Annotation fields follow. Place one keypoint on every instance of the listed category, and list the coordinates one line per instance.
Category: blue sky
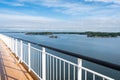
(76, 15)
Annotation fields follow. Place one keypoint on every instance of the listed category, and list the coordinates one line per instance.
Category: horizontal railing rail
(51, 67)
(78, 55)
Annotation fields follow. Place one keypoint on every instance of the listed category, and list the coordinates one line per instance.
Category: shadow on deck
(10, 69)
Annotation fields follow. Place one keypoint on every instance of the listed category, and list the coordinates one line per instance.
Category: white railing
(48, 66)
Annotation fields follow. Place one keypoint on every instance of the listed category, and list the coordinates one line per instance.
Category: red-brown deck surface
(10, 69)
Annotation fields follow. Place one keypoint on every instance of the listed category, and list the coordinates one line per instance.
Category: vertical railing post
(21, 50)
(79, 69)
(11, 44)
(8, 42)
(16, 47)
(43, 64)
(29, 56)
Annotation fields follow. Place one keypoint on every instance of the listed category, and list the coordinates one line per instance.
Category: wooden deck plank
(10, 69)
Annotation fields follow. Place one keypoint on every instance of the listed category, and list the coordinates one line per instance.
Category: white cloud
(12, 3)
(20, 22)
(24, 21)
(57, 5)
(7, 11)
(107, 1)
(95, 13)
(26, 18)
(77, 8)
(70, 8)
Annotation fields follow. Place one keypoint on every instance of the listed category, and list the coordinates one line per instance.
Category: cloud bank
(86, 15)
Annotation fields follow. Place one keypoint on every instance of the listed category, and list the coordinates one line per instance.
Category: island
(88, 33)
(53, 36)
(102, 34)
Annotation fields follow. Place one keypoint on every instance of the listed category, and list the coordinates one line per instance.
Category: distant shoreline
(89, 34)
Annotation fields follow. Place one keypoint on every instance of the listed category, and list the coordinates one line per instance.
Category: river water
(107, 49)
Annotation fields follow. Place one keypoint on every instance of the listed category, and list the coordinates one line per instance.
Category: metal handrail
(77, 55)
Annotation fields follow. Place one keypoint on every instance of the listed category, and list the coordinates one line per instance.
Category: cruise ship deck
(10, 68)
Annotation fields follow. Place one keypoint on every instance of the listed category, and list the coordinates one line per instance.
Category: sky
(60, 15)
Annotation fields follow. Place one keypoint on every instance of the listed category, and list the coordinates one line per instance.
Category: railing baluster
(64, 69)
(16, 51)
(73, 72)
(37, 63)
(103, 78)
(60, 69)
(29, 56)
(48, 72)
(50, 67)
(79, 69)
(21, 50)
(56, 69)
(11, 44)
(68, 71)
(43, 64)
(85, 75)
(93, 76)
(53, 68)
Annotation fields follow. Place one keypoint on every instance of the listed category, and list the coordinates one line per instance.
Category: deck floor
(10, 69)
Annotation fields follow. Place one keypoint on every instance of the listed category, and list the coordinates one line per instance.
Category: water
(106, 49)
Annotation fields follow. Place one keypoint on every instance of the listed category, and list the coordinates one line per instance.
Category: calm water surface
(107, 49)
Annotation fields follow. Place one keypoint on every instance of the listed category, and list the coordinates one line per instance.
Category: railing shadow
(3, 73)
